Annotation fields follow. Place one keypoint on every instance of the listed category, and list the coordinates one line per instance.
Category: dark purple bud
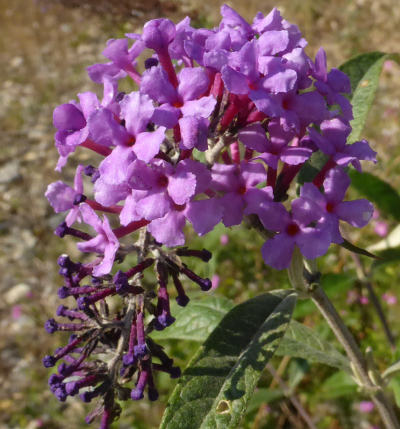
(63, 272)
(129, 359)
(55, 381)
(140, 351)
(121, 282)
(205, 284)
(63, 292)
(182, 299)
(204, 254)
(84, 301)
(89, 395)
(51, 326)
(163, 321)
(71, 314)
(72, 388)
(175, 372)
(60, 310)
(139, 267)
(152, 394)
(60, 394)
(106, 419)
(150, 62)
(49, 361)
(63, 230)
(137, 394)
(63, 261)
(79, 198)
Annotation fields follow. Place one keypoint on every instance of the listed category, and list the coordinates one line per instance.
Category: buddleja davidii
(249, 98)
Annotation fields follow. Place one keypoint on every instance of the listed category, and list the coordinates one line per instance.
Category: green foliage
(217, 385)
(364, 71)
(196, 321)
(337, 385)
(303, 342)
(381, 193)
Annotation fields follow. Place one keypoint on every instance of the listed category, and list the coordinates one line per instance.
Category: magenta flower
(357, 212)
(332, 142)
(104, 243)
(237, 183)
(293, 229)
(62, 197)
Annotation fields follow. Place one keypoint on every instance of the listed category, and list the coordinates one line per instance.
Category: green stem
(310, 280)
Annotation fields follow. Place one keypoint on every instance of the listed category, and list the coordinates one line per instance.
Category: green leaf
(219, 381)
(387, 256)
(338, 385)
(263, 396)
(381, 193)
(394, 384)
(195, 321)
(312, 167)
(392, 369)
(334, 285)
(303, 342)
(355, 249)
(364, 71)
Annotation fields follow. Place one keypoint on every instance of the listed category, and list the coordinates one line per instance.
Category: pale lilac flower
(104, 243)
(357, 212)
(292, 229)
(366, 406)
(389, 298)
(62, 197)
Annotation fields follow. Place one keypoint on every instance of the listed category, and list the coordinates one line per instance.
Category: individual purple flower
(62, 197)
(105, 242)
(332, 85)
(275, 148)
(295, 110)
(203, 214)
(123, 57)
(357, 212)
(164, 186)
(187, 100)
(239, 29)
(136, 110)
(249, 73)
(236, 182)
(332, 142)
(292, 230)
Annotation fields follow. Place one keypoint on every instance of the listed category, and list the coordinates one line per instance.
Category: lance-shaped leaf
(364, 71)
(391, 370)
(216, 386)
(381, 193)
(196, 321)
(303, 342)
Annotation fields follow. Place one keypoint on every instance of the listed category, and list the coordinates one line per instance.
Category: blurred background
(45, 47)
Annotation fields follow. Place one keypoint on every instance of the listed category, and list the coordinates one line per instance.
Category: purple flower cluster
(219, 126)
